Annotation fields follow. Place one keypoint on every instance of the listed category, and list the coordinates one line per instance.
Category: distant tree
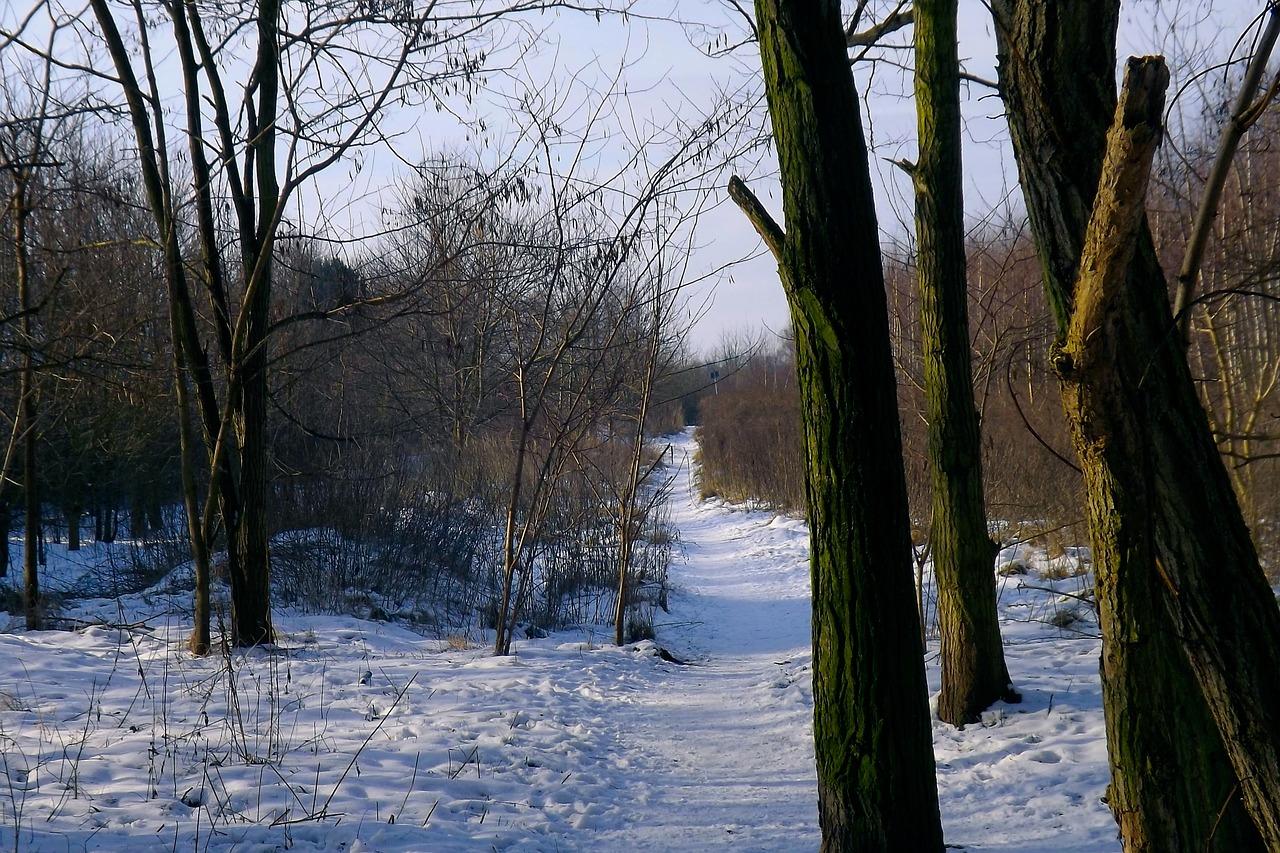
(34, 121)
(872, 735)
(256, 134)
(24, 152)
(974, 674)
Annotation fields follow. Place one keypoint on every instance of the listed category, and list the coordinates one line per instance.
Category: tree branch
(1243, 114)
(898, 20)
(769, 230)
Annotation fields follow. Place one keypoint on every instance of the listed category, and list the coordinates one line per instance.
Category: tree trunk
(200, 640)
(73, 514)
(1172, 788)
(510, 550)
(630, 514)
(6, 527)
(27, 413)
(31, 544)
(251, 587)
(974, 674)
(872, 733)
(235, 433)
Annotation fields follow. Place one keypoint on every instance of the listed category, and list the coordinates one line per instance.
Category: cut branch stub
(768, 229)
(1119, 207)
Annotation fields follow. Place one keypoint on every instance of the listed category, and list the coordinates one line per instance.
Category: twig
(400, 695)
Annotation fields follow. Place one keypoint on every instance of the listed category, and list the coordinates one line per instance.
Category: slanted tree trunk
(872, 734)
(1172, 787)
(974, 674)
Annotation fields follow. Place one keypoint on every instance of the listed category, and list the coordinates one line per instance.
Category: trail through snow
(362, 736)
(728, 736)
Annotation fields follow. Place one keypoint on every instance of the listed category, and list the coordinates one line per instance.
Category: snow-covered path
(726, 740)
(361, 736)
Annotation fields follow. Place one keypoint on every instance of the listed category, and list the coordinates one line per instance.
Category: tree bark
(974, 674)
(6, 527)
(872, 733)
(630, 512)
(1172, 786)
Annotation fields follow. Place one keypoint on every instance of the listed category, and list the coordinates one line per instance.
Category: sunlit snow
(358, 735)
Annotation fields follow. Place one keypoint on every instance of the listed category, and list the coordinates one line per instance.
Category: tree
(872, 736)
(1191, 633)
(257, 148)
(23, 150)
(974, 674)
(31, 120)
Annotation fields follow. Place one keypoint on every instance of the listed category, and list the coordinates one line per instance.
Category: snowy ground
(362, 736)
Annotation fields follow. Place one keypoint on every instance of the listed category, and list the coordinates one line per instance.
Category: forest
(263, 353)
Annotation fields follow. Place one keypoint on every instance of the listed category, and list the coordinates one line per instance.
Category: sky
(752, 298)
(747, 298)
(669, 72)
(673, 70)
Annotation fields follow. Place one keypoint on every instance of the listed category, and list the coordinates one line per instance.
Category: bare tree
(257, 133)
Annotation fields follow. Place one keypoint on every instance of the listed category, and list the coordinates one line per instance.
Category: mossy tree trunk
(1175, 569)
(974, 674)
(872, 733)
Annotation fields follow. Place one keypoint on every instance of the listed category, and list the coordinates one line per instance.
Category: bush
(749, 441)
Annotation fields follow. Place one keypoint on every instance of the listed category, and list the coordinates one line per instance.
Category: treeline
(749, 433)
(455, 409)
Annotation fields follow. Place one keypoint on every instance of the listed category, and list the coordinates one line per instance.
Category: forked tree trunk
(238, 461)
(1172, 788)
(251, 585)
(974, 674)
(1115, 421)
(872, 733)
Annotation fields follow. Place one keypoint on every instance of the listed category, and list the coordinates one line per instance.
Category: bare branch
(897, 20)
(1244, 113)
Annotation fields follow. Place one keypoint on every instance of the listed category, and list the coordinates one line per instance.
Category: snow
(355, 735)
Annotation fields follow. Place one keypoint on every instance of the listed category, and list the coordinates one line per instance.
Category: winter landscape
(361, 735)
(471, 425)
